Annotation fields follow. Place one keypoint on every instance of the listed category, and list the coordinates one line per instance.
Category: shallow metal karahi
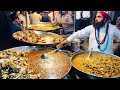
(53, 68)
(43, 26)
(83, 74)
(40, 32)
(44, 23)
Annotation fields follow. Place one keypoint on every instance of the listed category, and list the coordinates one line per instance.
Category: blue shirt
(14, 28)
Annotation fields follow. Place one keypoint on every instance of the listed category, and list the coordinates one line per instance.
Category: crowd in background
(12, 21)
(70, 21)
(63, 18)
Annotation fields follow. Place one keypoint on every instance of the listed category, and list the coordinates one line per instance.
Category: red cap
(104, 14)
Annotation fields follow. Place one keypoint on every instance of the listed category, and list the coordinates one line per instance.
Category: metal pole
(74, 19)
(26, 20)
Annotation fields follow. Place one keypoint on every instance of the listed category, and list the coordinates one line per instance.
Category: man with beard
(100, 34)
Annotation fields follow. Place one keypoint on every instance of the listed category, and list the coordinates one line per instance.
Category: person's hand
(62, 22)
(63, 44)
(59, 46)
(58, 23)
(20, 21)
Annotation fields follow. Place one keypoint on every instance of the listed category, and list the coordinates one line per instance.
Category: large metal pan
(52, 68)
(40, 43)
(43, 26)
(82, 62)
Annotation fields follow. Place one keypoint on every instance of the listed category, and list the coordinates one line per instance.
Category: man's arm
(62, 44)
(79, 34)
(66, 22)
(83, 33)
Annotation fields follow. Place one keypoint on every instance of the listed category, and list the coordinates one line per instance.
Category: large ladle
(88, 57)
(45, 55)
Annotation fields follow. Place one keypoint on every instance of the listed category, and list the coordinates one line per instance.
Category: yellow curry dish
(99, 64)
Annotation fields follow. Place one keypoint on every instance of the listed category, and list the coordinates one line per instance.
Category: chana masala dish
(27, 64)
(99, 64)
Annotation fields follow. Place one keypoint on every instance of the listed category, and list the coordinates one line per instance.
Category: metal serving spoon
(45, 55)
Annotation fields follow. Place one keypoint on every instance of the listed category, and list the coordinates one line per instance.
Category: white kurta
(78, 14)
(89, 31)
(85, 14)
(35, 18)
